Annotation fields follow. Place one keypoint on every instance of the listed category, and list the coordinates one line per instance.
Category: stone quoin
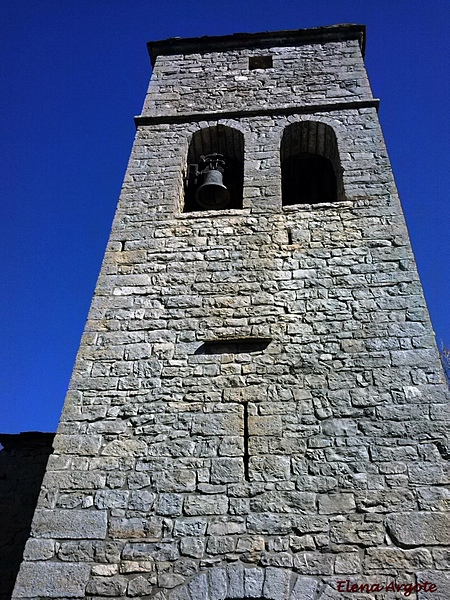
(257, 408)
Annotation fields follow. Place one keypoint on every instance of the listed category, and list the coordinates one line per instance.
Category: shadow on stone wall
(23, 459)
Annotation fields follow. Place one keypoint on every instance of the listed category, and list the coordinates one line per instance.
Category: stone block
(164, 551)
(235, 581)
(170, 505)
(105, 570)
(175, 480)
(253, 582)
(438, 585)
(125, 447)
(70, 524)
(169, 580)
(305, 588)
(270, 524)
(334, 504)
(105, 499)
(314, 563)
(357, 532)
(228, 424)
(271, 425)
(194, 547)
(276, 583)
(420, 528)
(218, 584)
(51, 580)
(139, 586)
(227, 470)
(220, 544)
(107, 586)
(198, 587)
(206, 505)
(403, 561)
(270, 468)
(37, 549)
(226, 526)
(82, 445)
(135, 527)
(141, 500)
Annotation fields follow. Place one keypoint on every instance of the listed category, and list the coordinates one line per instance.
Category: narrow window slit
(122, 245)
(246, 453)
(289, 234)
(234, 346)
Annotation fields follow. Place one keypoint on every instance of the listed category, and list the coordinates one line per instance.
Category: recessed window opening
(215, 170)
(234, 346)
(260, 62)
(310, 165)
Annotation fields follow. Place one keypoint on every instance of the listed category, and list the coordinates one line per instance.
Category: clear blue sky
(75, 72)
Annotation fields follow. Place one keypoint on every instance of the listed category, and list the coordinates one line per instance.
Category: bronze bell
(212, 194)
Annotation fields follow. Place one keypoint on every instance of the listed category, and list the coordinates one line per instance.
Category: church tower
(257, 407)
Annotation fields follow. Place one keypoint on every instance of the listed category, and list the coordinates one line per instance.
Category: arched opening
(310, 165)
(215, 170)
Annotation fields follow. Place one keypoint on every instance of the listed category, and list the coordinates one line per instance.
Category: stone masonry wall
(216, 82)
(314, 455)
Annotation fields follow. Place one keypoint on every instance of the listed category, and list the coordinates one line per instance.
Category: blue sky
(75, 72)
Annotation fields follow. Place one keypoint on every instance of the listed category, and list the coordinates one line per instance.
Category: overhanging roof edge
(266, 39)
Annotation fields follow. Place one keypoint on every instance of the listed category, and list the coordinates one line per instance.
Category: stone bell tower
(257, 406)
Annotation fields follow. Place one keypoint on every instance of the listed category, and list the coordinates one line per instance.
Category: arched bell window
(215, 170)
(310, 165)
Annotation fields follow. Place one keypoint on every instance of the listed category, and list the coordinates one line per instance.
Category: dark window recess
(234, 346)
(246, 437)
(289, 236)
(215, 170)
(260, 62)
(308, 179)
(311, 170)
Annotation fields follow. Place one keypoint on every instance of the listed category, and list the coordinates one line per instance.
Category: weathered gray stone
(235, 581)
(218, 585)
(220, 544)
(107, 586)
(386, 559)
(227, 470)
(169, 580)
(104, 570)
(421, 528)
(37, 549)
(276, 583)
(438, 587)
(141, 500)
(139, 586)
(190, 526)
(105, 499)
(170, 505)
(206, 505)
(145, 551)
(194, 547)
(331, 504)
(348, 562)
(253, 582)
(314, 563)
(135, 527)
(198, 587)
(305, 588)
(52, 580)
(75, 524)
